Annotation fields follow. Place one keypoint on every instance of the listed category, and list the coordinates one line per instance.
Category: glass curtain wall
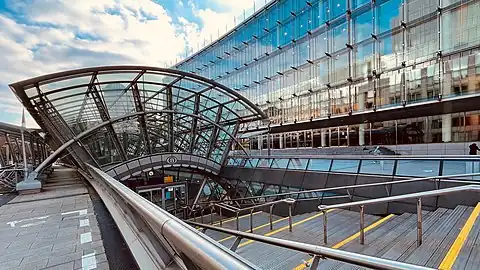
(465, 127)
(302, 60)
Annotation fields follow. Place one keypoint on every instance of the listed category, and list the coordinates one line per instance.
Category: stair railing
(418, 196)
(317, 251)
(237, 211)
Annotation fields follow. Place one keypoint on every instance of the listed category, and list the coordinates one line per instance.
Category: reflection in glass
(298, 164)
(345, 165)
(420, 168)
(319, 165)
(380, 166)
(279, 163)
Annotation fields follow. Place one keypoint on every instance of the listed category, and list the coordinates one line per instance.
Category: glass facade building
(310, 61)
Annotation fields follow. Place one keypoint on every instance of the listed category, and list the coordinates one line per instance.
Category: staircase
(451, 238)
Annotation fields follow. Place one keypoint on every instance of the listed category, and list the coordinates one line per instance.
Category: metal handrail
(288, 201)
(195, 247)
(440, 178)
(418, 196)
(318, 251)
(363, 157)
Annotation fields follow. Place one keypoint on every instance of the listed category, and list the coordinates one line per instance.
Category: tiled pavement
(54, 229)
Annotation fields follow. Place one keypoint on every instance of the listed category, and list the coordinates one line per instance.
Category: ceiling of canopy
(147, 110)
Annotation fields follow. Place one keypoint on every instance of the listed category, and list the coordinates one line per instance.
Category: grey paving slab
(49, 230)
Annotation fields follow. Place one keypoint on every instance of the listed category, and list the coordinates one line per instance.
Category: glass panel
(264, 163)
(377, 167)
(279, 163)
(298, 164)
(344, 165)
(461, 167)
(319, 165)
(251, 163)
(422, 168)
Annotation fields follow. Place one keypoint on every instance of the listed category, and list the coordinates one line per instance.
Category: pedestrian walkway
(54, 229)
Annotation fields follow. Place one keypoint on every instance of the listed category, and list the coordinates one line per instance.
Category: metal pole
(237, 221)
(290, 217)
(194, 215)
(211, 215)
(201, 215)
(221, 217)
(271, 217)
(362, 225)
(324, 227)
(25, 168)
(251, 220)
(419, 221)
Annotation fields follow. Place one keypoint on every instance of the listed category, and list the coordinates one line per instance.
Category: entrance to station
(169, 196)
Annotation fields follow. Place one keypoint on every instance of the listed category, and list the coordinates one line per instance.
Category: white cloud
(216, 23)
(48, 36)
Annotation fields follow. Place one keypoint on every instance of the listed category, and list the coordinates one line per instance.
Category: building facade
(354, 72)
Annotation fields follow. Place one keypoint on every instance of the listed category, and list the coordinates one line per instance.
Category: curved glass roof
(148, 110)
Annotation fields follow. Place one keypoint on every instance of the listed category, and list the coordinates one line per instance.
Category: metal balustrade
(156, 238)
(398, 166)
(418, 196)
(317, 251)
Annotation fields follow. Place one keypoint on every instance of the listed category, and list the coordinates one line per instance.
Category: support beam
(141, 118)
(214, 135)
(194, 133)
(170, 120)
(134, 81)
(105, 116)
(10, 147)
(164, 88)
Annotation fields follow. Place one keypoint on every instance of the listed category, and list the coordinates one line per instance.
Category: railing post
(362, 225)
(290, 217)
(251, 220)
(211, 214)
(237, 220)
(221, 217)
(325, 235)
(201, 215)
(271, 217)
(235, 244)
(316, 260)
(419, 221)
(194, 215)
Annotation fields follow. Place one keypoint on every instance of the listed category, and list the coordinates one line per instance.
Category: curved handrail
(336, 254)
(187, 243)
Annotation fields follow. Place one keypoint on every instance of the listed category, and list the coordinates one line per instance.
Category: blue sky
(45, 36)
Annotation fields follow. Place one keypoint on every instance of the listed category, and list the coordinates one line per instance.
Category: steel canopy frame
(134, 111)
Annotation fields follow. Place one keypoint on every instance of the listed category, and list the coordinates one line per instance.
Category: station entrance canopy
(136, 116)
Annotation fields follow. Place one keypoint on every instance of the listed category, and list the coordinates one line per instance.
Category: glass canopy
(119, 113)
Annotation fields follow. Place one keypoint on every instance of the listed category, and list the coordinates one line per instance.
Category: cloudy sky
(44, 36)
